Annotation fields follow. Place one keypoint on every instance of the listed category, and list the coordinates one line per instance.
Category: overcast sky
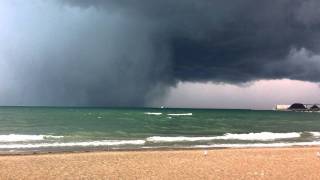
(182, 53)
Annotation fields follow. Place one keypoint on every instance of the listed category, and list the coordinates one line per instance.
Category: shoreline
(155, 149)
(230, 163)
(112, 150)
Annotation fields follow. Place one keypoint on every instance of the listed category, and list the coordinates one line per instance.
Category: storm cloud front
(129, 52)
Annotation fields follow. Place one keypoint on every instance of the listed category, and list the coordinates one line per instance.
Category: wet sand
(263, 163)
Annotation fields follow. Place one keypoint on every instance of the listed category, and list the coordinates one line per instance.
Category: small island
(298, 107)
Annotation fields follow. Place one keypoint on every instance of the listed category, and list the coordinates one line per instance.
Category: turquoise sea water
(46, 129)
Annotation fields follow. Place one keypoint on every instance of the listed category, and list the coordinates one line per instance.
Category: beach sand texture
(264, 163)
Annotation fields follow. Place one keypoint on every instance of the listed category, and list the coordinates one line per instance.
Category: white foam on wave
(315, 134)
(73, 144)
(181, 114)
(263, 136)
(156, 139)
(314, 143)
(153, 113)
(22, 137)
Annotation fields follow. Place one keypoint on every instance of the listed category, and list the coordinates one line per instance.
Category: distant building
(282, 107)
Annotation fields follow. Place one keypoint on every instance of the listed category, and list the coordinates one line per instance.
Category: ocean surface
(44, 129)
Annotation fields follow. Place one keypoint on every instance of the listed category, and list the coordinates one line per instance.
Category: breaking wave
(263, 136)
(181, 114)
(22, 137)
(16, 141)
(316, 134)
(314, 143)
(153, 113)
(74, 144)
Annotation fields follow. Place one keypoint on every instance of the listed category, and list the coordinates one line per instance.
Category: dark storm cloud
(126, 52)
(231, 41)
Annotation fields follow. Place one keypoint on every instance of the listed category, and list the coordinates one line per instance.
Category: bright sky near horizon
(263, 94)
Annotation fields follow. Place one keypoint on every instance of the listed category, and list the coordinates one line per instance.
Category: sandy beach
(264, 163)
